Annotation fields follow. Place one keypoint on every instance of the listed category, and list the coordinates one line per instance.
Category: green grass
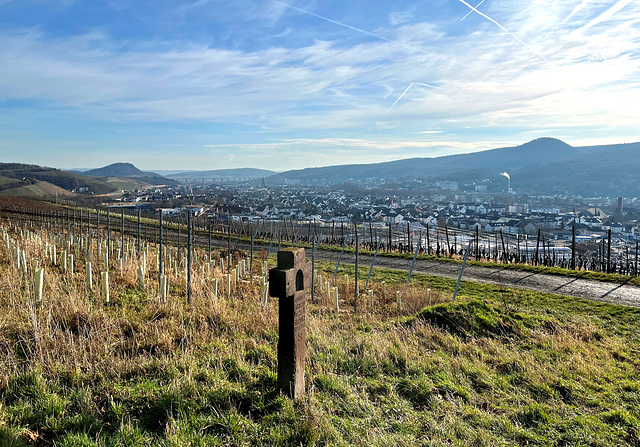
(126, 184)
(404, 384)
(537, 370)
(556, 305)
(498, 367)
(8, 180)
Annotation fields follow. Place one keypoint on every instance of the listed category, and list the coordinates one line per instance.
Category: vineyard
(610, 259)
(115, 337)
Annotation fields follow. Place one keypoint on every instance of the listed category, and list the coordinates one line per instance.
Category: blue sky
(209, 84)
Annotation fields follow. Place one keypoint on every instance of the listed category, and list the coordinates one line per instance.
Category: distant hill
(542, 166)
(118, 170)
(168, 172)
(128, 170)
(19, 179)
(223, 173)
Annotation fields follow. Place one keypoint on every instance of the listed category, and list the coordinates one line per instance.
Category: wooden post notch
(288, 282)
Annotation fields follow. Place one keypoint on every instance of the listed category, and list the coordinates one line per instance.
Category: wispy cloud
(367, 33)
(332, 151)
(310, 86)
(407, 89)
(499, 26)
(398, 18)
(606, 15)
(117, 80)
(286, 32)
(190, 6)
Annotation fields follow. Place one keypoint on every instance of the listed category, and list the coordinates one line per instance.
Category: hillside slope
(129, 171)
(39, 190)
(18, 175)
(541, 166)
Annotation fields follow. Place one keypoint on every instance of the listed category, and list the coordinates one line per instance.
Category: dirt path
(607, 292)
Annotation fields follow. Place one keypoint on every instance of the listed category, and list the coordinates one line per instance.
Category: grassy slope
(65, 180)
(500, 368)
(126, 184)
(40, 190)
(7, 180)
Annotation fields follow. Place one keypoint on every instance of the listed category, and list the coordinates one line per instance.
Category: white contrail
(608, 14)
(615, 8)
(577, 9)
(501, 27)
(400, 97)
(469, 13)
(368, 33)
(335, 22)
(407, 89)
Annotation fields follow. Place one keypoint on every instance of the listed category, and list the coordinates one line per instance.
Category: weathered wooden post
(107, 258)
(121, 232)
(609, 251)
(138, 234)
(209, 243)
(229, 258)
(288, 282)
(251, 254)
(189, 236)
(446, 232)
(160, 252)
(98, 233)
(573, 247)
(356, 291)
(314, 244)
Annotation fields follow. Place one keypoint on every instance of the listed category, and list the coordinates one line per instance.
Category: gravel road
(606, 292)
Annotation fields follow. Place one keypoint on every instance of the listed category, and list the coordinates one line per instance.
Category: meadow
(497, 367)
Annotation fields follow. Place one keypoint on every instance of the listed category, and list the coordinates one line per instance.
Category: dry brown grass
(79, 371)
